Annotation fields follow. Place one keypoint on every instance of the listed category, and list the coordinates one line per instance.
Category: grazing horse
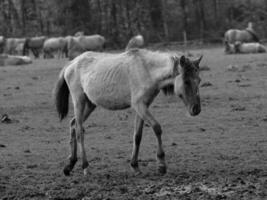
(54, 45)
(246, 35)
(35, 44)
(135, 42)
(119, 81)
(80, 44)
(13, 44)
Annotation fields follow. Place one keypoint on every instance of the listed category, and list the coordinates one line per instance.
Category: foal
(118, 81)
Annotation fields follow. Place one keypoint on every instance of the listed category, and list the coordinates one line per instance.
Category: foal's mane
(168, 90)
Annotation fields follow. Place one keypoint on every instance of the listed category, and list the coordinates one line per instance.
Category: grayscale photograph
(133, 100)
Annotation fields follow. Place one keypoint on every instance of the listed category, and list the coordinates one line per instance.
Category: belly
(109, 93)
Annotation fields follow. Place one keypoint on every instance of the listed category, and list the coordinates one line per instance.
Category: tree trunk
(164, 20)
(23, 17)
(184, 7)
(156, 17)
(202, 20)
(129, 21)
(100, 22)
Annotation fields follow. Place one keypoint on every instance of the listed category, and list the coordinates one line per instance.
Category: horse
(35, 44)
(54, 45)
(19, 49)
(119, 81)
(80, 44)
(14, 60)
(253, 47)
(11, 44)
(135, 42)
(245, 35)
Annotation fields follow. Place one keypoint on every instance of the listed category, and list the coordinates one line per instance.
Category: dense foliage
(118, 20)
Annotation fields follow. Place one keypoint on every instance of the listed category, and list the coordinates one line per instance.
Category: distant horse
(246, 35)
(239, 47)
(19, 49)
(135, 42)
(119, 81)
(253, 47)
(35, 44)
(14, 60)
(11, 44)
(78, 45)
(56, 45)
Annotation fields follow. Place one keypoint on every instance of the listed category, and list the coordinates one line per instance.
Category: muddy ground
(220, 154)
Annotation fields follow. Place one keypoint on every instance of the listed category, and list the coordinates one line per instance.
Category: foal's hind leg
(138, 128)
(82, 109)
(73, 149)
(88, 109)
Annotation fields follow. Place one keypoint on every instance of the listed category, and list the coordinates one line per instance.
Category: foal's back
(112, 80)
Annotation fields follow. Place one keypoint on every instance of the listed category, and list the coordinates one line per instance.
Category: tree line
(119, 20)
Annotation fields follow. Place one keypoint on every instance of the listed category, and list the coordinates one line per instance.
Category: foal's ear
(197, 61)
(182, 61)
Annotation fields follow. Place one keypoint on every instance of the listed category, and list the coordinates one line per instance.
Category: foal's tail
(61, 94)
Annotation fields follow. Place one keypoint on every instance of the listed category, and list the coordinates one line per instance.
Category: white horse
(80, 44)
(253, 47)
(239, 47)
(12, 44)
(119, 81)
(55, 45)
(135, 42)
(14, 60)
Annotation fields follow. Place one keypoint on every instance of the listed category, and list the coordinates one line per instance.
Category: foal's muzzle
(195, 109)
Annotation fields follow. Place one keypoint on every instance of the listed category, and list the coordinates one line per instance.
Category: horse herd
(69, 46)
(235, 41)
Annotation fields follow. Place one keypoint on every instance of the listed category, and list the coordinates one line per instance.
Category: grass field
(220, 154)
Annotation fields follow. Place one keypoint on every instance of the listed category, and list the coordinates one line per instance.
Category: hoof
(85, 172)
(85, 166)
(66, 170)
(162, 169)
(136, 171)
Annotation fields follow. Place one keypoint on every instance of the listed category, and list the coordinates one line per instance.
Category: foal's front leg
(144, 113)
(137, 137)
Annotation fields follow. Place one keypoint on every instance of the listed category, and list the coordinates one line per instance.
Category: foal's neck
(162, 69)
